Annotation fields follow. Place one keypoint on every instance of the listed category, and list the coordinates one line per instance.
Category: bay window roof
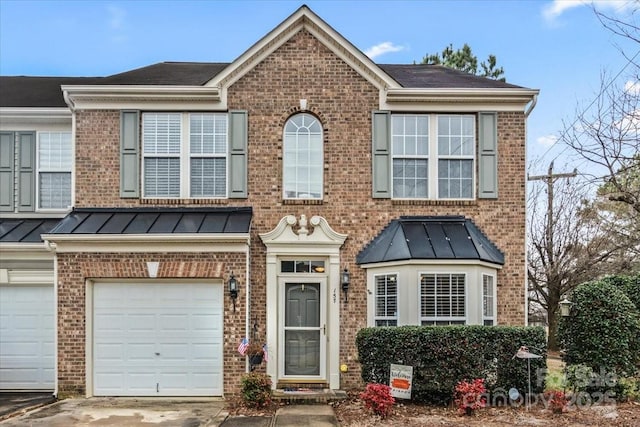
(430, 238)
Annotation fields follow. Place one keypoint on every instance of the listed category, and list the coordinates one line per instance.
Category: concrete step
(299, 396)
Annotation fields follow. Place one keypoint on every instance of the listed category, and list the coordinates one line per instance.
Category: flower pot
(255, 359)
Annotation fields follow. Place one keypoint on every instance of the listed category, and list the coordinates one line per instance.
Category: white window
(303, 158)
(442, 299)
(184, 155)
(488, 300)
(410, 136)
(386, 300)
(433, 156)
(54, 170)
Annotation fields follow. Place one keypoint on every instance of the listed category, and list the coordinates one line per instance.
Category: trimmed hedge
(603, 331)
(442, 356)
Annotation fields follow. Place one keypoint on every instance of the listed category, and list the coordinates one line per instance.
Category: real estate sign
(400, 381)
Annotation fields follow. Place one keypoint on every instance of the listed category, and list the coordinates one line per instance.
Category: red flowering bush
(470, 396)
(377, 398)
(557, 401)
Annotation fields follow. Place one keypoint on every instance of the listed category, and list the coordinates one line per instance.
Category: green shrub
(630, 285)
(442, 356)
(256, 390)
(603, 331)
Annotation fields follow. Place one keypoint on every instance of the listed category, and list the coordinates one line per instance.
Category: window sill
(302, 202)
(443, 202)
(184, 201)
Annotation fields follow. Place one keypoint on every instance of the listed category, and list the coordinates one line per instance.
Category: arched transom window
(302, 158)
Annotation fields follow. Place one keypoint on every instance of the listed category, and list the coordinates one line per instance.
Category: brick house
(129, 202)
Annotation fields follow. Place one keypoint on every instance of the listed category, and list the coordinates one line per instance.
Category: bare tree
(565, 248)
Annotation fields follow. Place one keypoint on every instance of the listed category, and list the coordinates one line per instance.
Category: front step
(299, 396)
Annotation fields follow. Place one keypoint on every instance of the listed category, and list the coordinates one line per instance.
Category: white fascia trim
(142, 97)
(434, 262)
(7, 248)
(142, 243)
(504, 99)
(12, 116)
(303, 18)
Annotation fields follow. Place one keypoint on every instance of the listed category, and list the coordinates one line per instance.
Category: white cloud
(552, 10)
(547, 140)
(117, 23)
(632, 87)
(382, 48)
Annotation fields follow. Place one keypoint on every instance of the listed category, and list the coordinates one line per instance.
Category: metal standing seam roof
(155, 220)
(20, 230)
(430, 238)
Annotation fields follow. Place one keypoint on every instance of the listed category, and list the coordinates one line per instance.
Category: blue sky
(557, 46)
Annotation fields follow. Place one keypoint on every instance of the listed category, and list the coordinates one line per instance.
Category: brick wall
(75, 269)
(303, 68)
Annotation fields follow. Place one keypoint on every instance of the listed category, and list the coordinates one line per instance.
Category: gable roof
(430, 238)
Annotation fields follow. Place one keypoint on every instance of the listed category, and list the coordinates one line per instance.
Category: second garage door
(157, 339)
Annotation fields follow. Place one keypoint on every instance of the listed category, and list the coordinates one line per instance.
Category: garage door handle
(157, 354)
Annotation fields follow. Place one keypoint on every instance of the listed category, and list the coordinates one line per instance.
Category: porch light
(346, 281)
(565, 307)
(233, 289)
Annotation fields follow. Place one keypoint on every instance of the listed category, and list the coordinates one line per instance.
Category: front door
(303, 327)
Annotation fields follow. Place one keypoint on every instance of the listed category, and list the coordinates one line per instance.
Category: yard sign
(400, 381)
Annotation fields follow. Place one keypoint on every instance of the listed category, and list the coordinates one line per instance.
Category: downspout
(52, 248)
(532, 105)
(528, 111)
(248, 303)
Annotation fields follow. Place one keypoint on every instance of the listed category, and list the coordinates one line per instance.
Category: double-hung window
(302, 158)
(442, 299)
(386, 300)
(433, 156)
(184, 155)
(410, 139)
(54, 170)
(488, 300)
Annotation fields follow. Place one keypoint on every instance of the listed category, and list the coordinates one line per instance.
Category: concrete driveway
(108, 411)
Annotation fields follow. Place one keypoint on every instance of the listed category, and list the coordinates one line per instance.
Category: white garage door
(27, 332)
(157, 339)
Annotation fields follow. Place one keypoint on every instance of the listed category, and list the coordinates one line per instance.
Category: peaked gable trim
(305, 19)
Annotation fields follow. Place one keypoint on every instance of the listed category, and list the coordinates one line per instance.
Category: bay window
(386, 300)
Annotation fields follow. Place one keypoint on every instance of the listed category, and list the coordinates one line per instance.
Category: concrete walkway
(134, 412)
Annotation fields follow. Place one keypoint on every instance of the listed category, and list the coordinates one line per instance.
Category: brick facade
(302, 68)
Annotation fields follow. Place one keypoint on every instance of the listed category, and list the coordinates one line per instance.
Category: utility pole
(550, 177)
(554, 294)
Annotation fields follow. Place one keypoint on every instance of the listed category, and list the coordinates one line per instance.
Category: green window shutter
(129, 154)
(238, 140)
(26, 171)
(488, 156)
(381, 146)
(7, 172)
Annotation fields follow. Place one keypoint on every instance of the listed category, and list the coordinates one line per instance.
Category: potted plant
(255, 352)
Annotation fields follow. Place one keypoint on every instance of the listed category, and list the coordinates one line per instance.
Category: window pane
(161, 133)
(386, 300)
(410, 178)
(162, 177)
(303, 158)
(55, 190)
(208, 177)
(442, 298)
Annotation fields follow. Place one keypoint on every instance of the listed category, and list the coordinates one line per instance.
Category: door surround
(292, 239)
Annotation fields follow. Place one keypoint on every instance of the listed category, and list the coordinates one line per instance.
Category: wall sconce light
(233, 289)
(346, 281)
(565, 307)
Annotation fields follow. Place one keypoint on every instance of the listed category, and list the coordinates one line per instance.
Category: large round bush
(603, 331)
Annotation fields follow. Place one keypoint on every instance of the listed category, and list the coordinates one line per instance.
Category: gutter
(532, 105)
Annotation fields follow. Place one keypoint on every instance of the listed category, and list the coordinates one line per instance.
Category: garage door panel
(169, 332)
(27, 337)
